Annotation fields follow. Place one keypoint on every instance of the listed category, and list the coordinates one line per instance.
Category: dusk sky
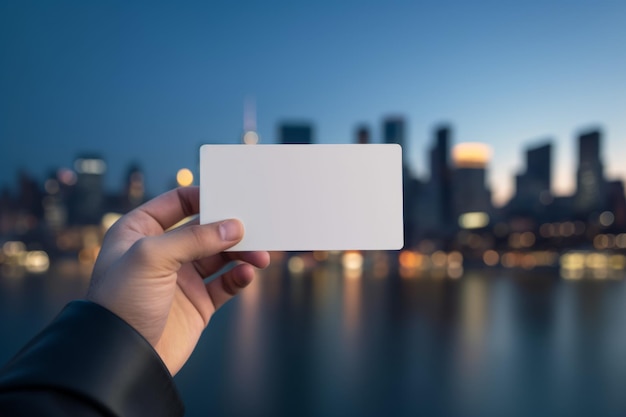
(152, 81)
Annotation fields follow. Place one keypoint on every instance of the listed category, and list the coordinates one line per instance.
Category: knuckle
(229, 286)
(198, 235)
(143, 248)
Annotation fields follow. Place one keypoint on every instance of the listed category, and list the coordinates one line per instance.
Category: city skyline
(133, 82)
(449, 216)
(304, 131)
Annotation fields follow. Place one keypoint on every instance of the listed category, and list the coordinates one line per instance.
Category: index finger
(168, 208)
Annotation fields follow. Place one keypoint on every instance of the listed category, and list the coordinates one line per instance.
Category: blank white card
(305, 197)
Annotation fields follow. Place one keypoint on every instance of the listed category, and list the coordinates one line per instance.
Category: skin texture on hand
(153, 278)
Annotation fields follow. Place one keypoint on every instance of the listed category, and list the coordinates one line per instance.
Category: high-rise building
(394, 131)
(435, 201)
(440, 172)
(87, 203)
(134, 188)
(533, 187)
(29, 196)
(590, 182)
(470, 195)
(539, 166)
(617, 204)
(54, 206)
(363, 134)
(7, 212)
(295, 133)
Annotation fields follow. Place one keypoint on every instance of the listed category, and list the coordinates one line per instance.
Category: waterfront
(327, 342)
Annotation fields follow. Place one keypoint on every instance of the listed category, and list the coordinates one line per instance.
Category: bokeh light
(184, 177)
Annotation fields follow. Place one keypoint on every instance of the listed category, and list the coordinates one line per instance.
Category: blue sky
(151, 81)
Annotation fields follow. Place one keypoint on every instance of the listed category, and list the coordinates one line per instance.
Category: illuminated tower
(590, 183)
(470, 194)
(250, 135)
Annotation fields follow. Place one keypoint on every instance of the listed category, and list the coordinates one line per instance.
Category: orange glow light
(471, 155)
(410, 260)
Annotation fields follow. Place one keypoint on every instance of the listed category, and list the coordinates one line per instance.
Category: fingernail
(229, 230)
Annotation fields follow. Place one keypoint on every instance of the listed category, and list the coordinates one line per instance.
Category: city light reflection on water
(328, 341)
(322, 342)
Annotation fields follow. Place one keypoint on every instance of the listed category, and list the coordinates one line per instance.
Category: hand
(153, 278)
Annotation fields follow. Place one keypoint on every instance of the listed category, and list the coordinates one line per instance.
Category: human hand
(153, 278)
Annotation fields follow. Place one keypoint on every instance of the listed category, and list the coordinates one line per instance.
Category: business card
(305, 197)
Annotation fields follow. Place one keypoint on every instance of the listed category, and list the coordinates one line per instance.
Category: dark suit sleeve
(88, 362)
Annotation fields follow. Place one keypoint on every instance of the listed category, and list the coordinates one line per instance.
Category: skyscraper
(134, 187)
(539, 166)
(533, 187)
(295, 133)
(440, 172)
(470, 193)
(435, 200)
(590, 182)
(363, 134)
(617, 204)
(88, 200)
(394, 132)
(54, 207)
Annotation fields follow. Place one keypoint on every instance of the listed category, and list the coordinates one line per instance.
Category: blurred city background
(509, 295)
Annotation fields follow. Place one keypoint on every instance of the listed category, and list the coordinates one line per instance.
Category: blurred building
(7, 211)
(87, 202)
(363, 135)
(295, 133)
(591, 187)
(394, 131)
(440, 175)
(134, 191)
(54, 203)
(533, 187)
(29, 195)
(617, 204)
(435, 202)
(471, 198)
(28, 209)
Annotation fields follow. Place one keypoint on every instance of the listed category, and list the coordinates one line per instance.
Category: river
(325, 343)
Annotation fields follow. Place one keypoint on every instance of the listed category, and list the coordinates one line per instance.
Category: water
(326, 344)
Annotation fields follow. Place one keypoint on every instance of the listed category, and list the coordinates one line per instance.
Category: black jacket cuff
(89, 352)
